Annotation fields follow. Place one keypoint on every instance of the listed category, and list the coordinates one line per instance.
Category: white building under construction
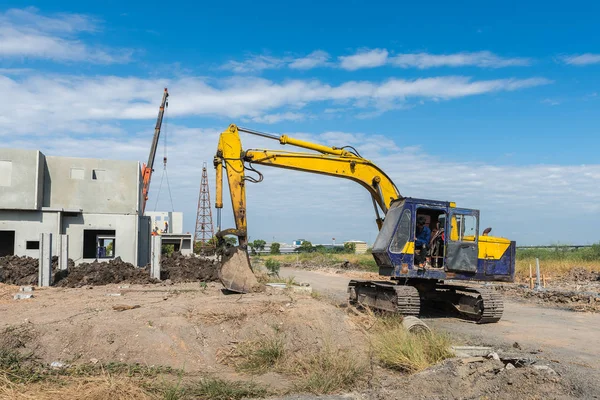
(97, 203)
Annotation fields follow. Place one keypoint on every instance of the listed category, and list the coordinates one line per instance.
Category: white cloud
(25, 33)
(40, 100)
(581, 59)
(58, 101)
(315, 59)
(255, 63)
(275, 118)
(485, 59)
(364, 59)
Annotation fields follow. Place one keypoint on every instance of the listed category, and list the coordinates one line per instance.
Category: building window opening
(99, 243)
(32, 245)
(7, 243)
(99, 175)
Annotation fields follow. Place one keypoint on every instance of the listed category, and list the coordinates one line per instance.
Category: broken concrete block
(301, 289)
(26, 289)
(494, 356)
(545, 368)
(509, 366)
(22, 296)
(470, 360)
(471, 351)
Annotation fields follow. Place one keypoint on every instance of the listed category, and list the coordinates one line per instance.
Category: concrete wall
(126, 234)
(27, 226)
(158, 220)
(21, 179)
(92, 185)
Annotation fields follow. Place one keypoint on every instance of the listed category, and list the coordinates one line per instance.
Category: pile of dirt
(569, 299)
(489, 378)
(104, 273)
(179, 268)
(579, 274)
(23, 270)
(17, 270)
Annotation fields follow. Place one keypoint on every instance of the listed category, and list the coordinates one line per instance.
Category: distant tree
(305, 247)
(350, 248)
(275, 248)
(257, 246)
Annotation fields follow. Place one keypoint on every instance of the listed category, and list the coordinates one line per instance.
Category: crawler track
(385, 296)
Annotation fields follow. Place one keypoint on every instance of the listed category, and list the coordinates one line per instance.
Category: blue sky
(494, 106)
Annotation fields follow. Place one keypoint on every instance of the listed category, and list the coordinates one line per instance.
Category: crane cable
(165, 174)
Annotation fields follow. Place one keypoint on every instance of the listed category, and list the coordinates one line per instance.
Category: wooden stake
(544, 280)
(530, 277)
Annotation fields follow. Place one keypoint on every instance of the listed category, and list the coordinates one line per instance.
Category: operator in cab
(422, 238)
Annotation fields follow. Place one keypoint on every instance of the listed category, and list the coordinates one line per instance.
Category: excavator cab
(454, 250)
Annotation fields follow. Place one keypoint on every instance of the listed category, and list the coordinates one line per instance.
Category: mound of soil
(488, 379)
(579, 274)
(104, 273)
(17, 270)
(22, 271)
(179, 268)
(570, 299)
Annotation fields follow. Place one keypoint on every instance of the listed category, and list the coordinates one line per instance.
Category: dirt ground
(194, 327)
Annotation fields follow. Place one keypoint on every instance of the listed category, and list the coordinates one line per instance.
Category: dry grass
(326, 371)
(67, 388)
(256, 356)
(399, 350)
(552, 268)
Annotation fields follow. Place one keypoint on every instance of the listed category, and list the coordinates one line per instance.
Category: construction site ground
(198, 331)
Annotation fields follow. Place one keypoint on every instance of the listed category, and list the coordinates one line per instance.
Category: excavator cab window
(402, 234)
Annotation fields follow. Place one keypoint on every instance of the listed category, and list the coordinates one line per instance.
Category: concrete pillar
(63, 252)
(45, 264)
(156, 249)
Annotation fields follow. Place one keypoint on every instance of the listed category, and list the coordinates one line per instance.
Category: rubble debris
(26, 289)
(22, 296)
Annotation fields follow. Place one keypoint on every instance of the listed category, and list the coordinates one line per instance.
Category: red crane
(148, 168)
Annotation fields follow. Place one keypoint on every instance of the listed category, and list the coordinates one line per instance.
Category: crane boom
(148, 168)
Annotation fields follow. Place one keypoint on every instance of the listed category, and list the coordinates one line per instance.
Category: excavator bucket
(235, 272)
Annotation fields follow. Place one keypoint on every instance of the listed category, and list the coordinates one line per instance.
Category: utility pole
(204, 225)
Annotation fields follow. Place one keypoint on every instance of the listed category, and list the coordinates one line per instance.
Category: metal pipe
(257, 133)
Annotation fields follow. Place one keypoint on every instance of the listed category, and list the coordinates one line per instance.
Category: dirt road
(567, 336)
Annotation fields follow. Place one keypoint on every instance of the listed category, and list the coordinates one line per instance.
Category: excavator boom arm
(332, 161)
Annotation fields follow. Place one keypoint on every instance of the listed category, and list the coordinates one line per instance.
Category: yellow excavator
(418, 271)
